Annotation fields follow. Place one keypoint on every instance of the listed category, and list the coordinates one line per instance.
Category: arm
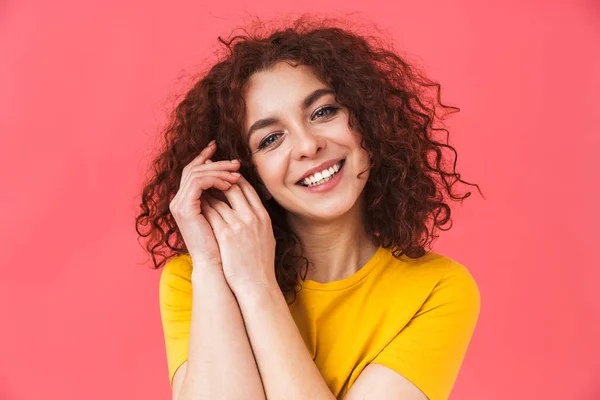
(422, 361)
(286, 367)
(245, 235)
(220, 360)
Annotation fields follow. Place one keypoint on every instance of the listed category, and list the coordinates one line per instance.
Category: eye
(332, 110)
(267, 141)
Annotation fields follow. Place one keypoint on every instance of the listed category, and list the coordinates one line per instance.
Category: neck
(336, 249)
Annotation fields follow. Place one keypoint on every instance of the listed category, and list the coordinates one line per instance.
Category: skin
(329, 224)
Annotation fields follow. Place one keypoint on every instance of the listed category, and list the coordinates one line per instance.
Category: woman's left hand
(245, 236)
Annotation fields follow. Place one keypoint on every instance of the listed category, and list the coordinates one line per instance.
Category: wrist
(203, 270)
(256, 288)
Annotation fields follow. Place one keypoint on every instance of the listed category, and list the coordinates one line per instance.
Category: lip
(320, 168)
(327, 186)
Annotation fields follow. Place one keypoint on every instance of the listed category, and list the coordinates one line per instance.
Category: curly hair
(388, 103)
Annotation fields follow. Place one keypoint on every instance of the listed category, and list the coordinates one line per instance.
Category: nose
(307, 144)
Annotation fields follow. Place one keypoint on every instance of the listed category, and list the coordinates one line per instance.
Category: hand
(198, 176)
(245, 236)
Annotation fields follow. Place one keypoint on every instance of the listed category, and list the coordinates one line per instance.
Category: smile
(320, 178)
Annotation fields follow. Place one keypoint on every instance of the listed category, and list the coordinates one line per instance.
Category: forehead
(280, 87)
(280, 74)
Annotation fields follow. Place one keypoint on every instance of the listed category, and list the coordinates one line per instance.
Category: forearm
(287, 370)
(221, 364)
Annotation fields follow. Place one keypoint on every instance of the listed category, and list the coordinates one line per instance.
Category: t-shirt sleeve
(175, 298)
(430, 349)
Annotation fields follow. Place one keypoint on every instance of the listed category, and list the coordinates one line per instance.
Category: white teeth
(321, 177)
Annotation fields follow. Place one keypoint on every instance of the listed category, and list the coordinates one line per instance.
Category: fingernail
(235, 174)
(211, 143)
(235, 161)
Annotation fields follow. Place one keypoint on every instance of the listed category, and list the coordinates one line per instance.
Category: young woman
(294, 193)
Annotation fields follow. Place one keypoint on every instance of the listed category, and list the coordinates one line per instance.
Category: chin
(326, 209)
(327, 214)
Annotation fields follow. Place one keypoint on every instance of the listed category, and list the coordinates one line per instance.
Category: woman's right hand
(199, 175)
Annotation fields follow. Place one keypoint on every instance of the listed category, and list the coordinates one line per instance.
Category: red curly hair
(388, 103)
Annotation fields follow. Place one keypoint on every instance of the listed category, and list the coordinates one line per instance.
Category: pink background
(85, 86)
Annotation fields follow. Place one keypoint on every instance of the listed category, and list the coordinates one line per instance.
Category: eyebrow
(307, 102)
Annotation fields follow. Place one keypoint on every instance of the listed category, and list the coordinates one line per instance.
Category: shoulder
(431, 323)
(451, 284)
(179, 265)
(176, 275)
(456, 279)
(175, 298)
(434, 279)
(436, 268)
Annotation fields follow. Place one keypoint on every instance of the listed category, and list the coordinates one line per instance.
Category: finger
(226, 213)
(235, 196)
(200, 159)
(229, 176)
(212, 216)
(251, 196)
(207, 182)
(210, 165)
(197, 185)
(206, 153)
(199, 181)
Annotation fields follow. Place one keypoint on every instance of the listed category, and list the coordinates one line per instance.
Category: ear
(262, 190)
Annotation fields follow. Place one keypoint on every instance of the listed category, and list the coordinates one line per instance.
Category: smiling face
(293, 124)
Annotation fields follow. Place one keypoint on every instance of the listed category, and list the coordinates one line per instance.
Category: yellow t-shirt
(415, 316)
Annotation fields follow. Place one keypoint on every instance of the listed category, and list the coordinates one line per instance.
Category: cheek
(364, 156)
(361, 152)
(363, 163)
(272, 171)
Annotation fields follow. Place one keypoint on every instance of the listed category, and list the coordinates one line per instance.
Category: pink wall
(83, 88)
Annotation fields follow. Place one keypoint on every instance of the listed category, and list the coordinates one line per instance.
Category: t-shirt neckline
(349, 281)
